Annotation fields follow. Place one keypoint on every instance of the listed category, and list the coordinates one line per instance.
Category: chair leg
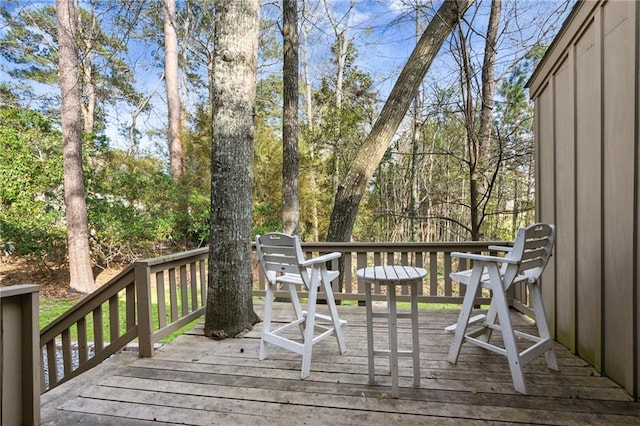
(510, 346)
(297, 308)
(266, 321)
(370, 349)
(333, 311)
(490, 320)
(541, 322)
(310, 325)
(465, 313)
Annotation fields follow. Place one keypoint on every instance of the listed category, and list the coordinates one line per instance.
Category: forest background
(351, 52)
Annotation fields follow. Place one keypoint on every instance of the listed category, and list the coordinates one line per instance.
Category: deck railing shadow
(153, 298)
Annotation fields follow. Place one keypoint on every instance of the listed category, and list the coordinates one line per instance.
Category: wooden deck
(198, 381)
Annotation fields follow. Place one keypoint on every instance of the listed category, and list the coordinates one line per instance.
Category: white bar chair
(283, 262)
(524, 262)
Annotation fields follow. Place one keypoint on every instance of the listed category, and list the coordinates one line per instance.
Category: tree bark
(81, 274)
(352, 187)
(176, 166)
(290, 153)
(229, 310)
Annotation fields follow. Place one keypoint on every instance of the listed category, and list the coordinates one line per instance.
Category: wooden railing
(147, 301)
(154, 297)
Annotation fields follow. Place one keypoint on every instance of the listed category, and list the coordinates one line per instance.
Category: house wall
(586, 125)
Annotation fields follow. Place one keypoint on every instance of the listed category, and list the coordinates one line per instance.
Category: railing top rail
(169, 258)
(17, 290)
(386, 246)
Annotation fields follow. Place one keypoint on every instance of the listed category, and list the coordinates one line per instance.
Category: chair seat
(297, 279)
(485, 282)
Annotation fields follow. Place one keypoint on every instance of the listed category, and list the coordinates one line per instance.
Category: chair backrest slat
(533, 254)
(279, 253)
(532, 249)
(533, 263)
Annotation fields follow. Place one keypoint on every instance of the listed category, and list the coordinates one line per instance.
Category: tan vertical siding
(618, 122)
(589, 194)
(545, 198)
(587, 124)
(565, 200)
(636, 254)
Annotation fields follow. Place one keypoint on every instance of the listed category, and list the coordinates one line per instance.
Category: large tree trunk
(176, 166)
(290, 154)
(229, 310)
(352, 187)
(80, 270)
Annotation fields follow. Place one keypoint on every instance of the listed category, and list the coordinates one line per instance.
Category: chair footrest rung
(387, 352)
(287, 326)
(285, 343)
(486, 345)
(386, 315)
(323, 335)
(473, 320)
(326, 318)
(527, 336)
(539, 348)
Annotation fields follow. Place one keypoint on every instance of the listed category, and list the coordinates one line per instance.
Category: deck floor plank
(198, 381)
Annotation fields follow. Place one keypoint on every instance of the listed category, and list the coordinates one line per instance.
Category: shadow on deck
(198, 381)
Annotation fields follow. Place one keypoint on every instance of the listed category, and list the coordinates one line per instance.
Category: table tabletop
(391, 273)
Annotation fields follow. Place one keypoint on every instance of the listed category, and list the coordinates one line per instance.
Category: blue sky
(383, 32)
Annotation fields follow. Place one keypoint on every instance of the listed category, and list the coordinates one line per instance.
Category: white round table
(393, 276)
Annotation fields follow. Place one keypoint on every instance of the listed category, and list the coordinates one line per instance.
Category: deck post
(143, 301)
(19, 355)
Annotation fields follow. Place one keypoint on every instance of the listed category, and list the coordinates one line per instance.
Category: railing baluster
(184, 291)
(462, 265)
(143, 292)
(173, 296)
(114, 318)
(52, 362)
(160, 297)
(348, 273)
(98, 337)
(130, 300)
(203, 282)
(433, 273)
(193, 278)
(83, 346)
(418, 261)
(390, 258)
(66, 352)
(447, 271)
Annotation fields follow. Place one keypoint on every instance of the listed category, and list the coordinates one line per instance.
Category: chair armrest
(501, 248)
(321, 259)
(483, 258)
